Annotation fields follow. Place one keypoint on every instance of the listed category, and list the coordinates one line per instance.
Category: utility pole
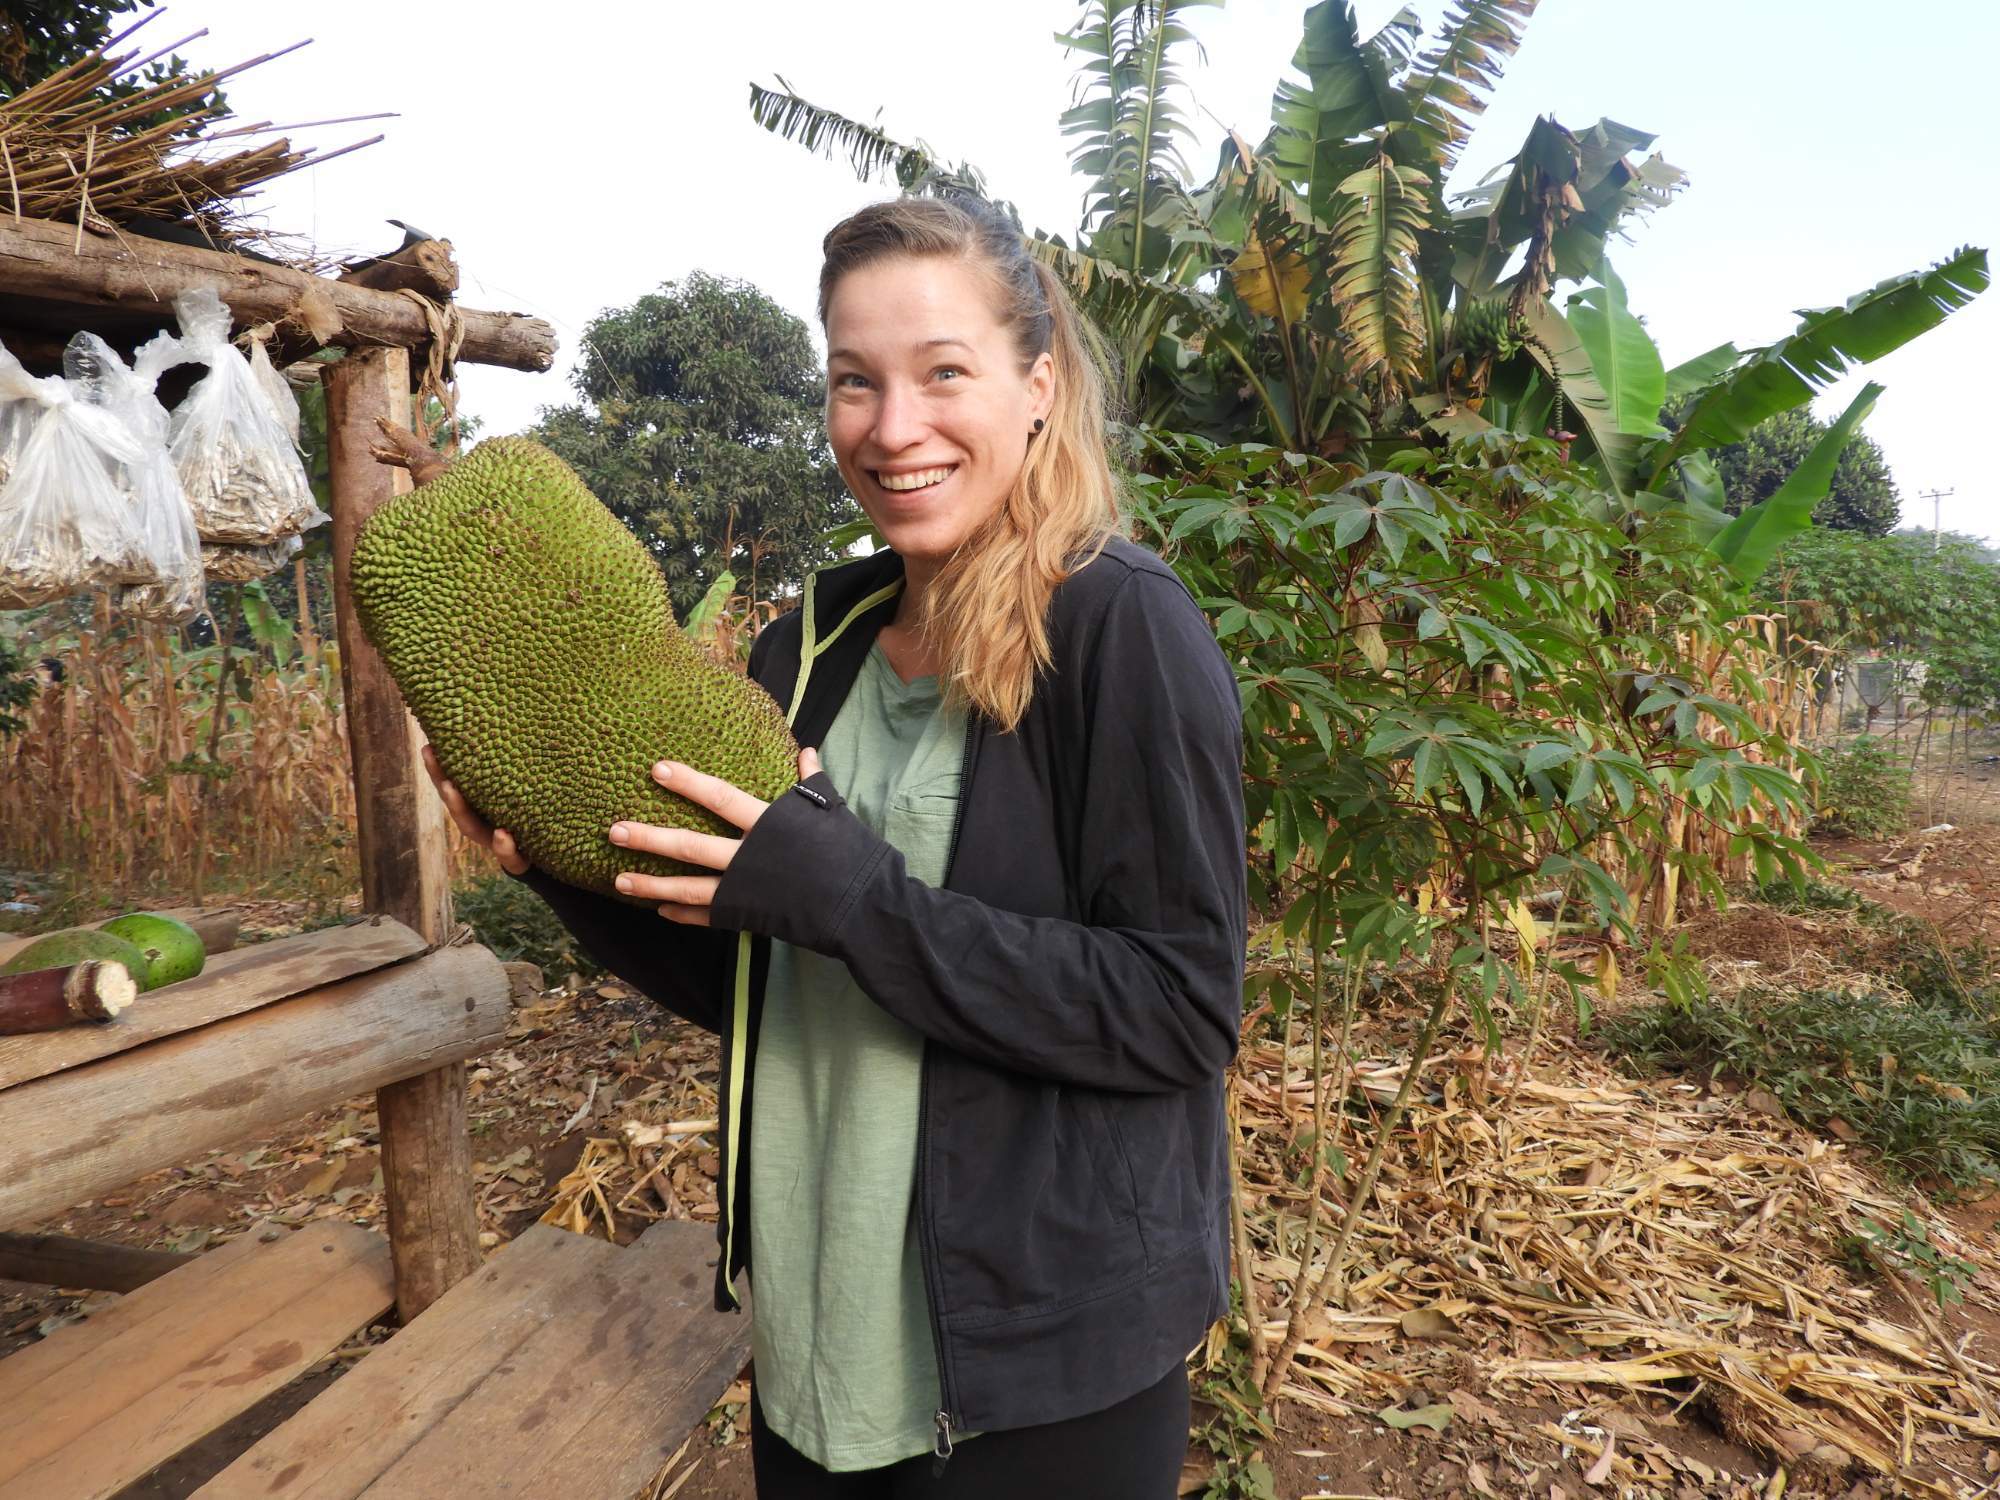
(1936, 498)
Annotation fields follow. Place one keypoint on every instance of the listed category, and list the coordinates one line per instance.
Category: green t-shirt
(846, 1363)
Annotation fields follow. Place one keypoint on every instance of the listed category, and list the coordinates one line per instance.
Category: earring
(1038, 424)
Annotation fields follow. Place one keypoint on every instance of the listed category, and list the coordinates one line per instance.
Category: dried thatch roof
(153, 158)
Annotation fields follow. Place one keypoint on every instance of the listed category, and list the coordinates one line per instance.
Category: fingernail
(625, 883)
(662, 770)
(619, 833)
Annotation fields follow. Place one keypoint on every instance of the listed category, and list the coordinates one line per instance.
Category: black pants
(1131, 1451)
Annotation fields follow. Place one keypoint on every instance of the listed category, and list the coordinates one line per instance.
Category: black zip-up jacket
(1077, 981)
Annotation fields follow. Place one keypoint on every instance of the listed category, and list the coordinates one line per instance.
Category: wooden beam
(427, 1185)
(129, 275)
(234, 982)
(400, 836)
(88, 1131)
(400, 824)
(58, 1260)
(427, 266)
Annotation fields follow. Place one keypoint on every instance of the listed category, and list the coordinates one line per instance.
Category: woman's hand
(686, 898)
(498, 840)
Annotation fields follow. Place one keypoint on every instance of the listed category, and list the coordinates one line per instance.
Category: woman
(984, 969)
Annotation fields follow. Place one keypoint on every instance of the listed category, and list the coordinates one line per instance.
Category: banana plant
(1600, 362)
(1128, 126)
(1321, 291)
(1291, 295)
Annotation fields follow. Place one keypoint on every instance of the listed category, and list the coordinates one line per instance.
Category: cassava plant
(1463, 685)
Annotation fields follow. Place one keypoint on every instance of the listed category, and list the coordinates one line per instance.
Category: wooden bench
(100, 1403)
(563, 1365)
(566, 1367)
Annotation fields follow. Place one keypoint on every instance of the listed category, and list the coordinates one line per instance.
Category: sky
(576, 165)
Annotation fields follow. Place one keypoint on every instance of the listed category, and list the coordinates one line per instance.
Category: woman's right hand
(497, 840)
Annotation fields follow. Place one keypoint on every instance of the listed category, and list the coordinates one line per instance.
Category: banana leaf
(1828, 342)
(1561, 354)
(1622, 355)
(703, 614)
(1692, 374)
(1747, 544)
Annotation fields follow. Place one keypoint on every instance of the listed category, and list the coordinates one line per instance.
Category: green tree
(1909, 592)
(701, 426)
(40, 37)
(1863, 496)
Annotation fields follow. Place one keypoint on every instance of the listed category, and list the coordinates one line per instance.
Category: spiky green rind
(532, 636)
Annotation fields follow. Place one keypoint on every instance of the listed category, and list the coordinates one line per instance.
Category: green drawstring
(810, 648)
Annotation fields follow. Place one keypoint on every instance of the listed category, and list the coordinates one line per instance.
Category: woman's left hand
(686, 898)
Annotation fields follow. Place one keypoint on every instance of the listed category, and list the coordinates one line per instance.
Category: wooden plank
(196, 1354)
(509, 1386)
(649, 1340)
(230, 984)
(400, 836)
(666, 1389)
(132, 275)
(216, 929)
(343, 1440)
(85, 1131)
(59, 1260)
(39, 1364)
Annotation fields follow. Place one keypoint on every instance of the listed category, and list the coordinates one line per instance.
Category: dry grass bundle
(1597, 1237)
(67, 153)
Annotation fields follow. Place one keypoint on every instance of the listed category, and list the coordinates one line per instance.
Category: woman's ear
(1041, 387)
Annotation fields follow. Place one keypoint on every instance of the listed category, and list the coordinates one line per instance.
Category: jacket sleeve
(685, 969)
(1145, 995)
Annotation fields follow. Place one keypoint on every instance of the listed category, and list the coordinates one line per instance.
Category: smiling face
(928, 406)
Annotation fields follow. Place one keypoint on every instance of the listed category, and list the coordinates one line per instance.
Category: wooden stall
(563, 1365)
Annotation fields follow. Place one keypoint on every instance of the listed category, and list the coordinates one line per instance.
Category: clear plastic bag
(276, 392)
(17, 411)
(227, 562)
(166, 524)
(69, 510)
(238, 463)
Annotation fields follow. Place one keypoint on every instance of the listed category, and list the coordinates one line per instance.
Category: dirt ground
(576, 1068)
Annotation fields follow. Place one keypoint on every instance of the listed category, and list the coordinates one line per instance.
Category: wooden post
(426, 1152)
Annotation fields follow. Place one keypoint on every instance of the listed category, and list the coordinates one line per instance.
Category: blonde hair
(987, 612)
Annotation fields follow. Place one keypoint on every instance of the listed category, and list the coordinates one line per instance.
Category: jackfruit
(532, 637)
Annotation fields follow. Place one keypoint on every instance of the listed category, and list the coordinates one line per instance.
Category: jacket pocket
(1033, 1206)
(1112, 1173)
(1176, 1158)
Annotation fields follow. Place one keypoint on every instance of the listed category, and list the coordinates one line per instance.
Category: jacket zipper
(946, 1416)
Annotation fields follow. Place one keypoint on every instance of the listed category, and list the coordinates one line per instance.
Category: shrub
(517, 924)
(1863, 791)
(1916, 1079)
